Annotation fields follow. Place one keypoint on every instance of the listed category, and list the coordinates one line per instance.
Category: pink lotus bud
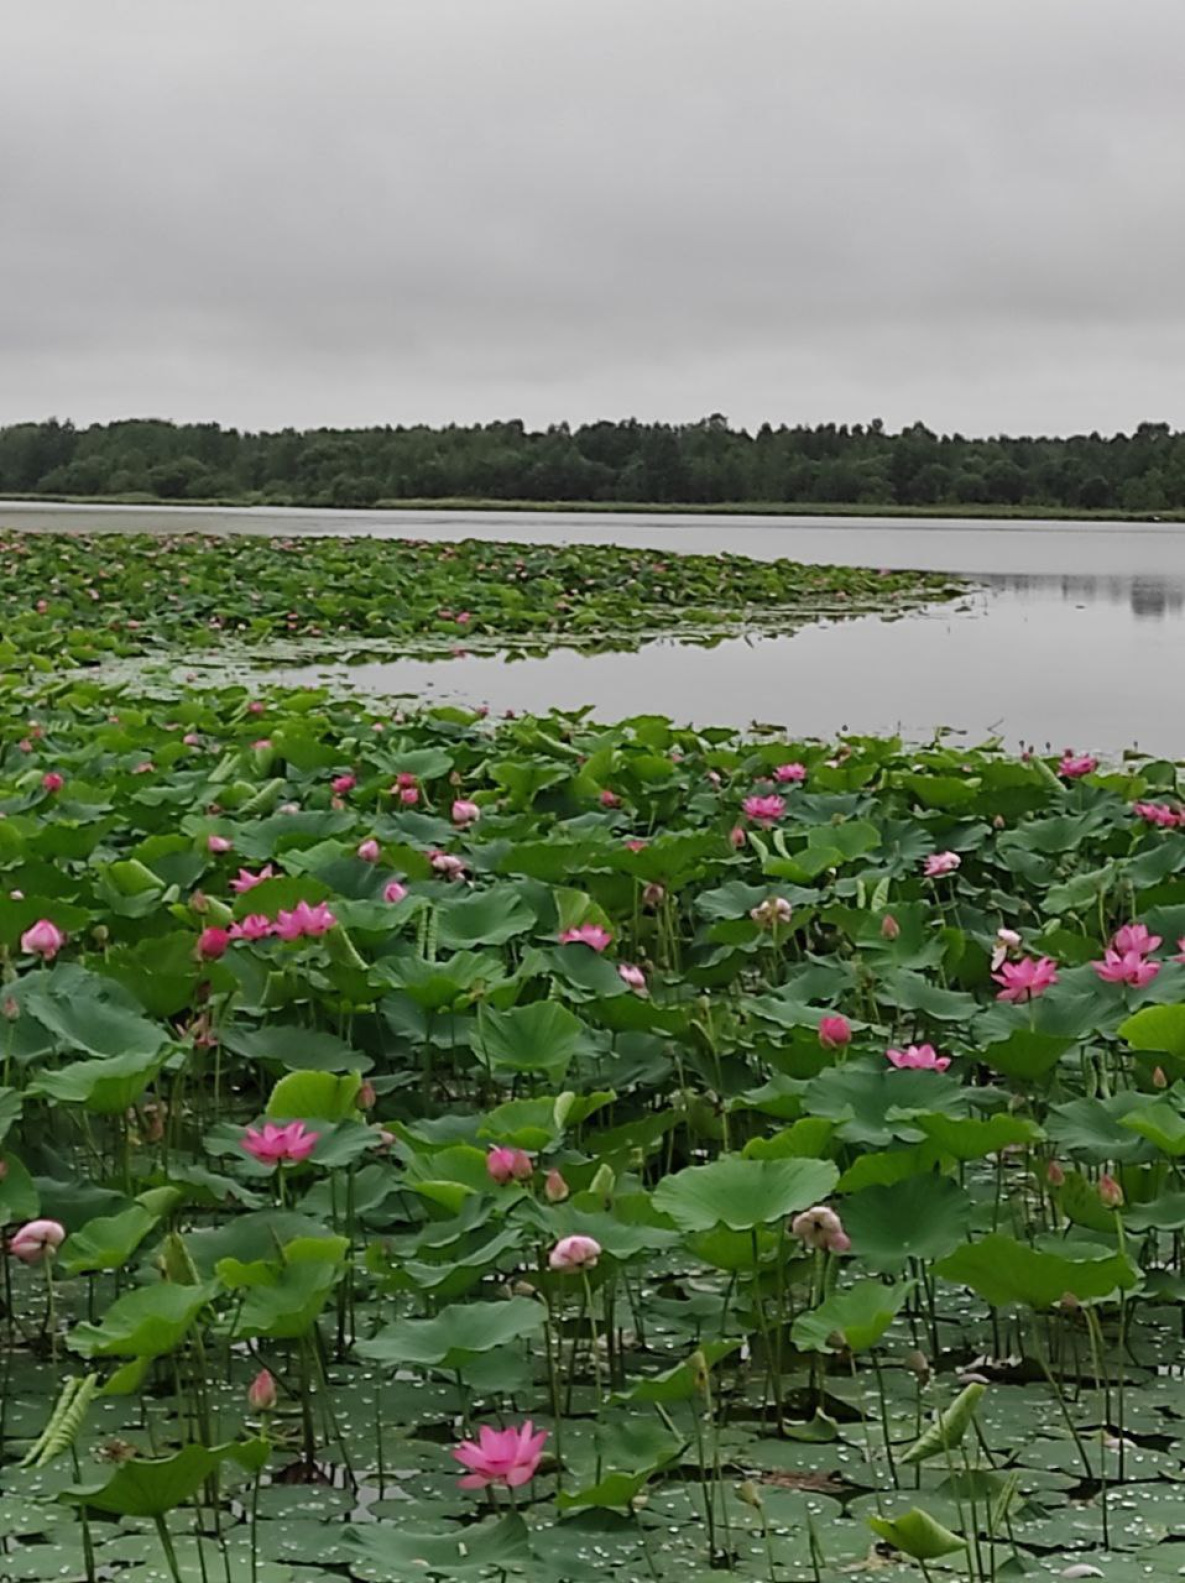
(44, 939)
(51, 781)
(465, 812)
(890, 928)
(393, 891)
(610, 799)
(255, 707)
(1110, 1192)
(10, 1009)
(218, 844)
(555, 1189)
(409, 796)
(212, 944)
(343, 784)
(366, 1097)
(508, 1165)
(736, 836)
(1054, 1174)
(835, 1033)
(572, 1254)
(38, 1240)
(261, 1393)
(368, 850)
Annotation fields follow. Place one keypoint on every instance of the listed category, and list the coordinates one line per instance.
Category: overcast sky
(305, 212)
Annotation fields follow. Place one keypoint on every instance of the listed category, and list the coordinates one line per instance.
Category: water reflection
(1147, 597)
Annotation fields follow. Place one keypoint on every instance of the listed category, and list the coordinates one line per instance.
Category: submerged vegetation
(75, 599)
(436, 1148)
(694, 464)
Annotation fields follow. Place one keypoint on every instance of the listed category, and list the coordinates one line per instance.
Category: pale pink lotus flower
(590, 934)
(409, 796)
(369, 850)
(635, 844)
(218, 844)
(1131, 968)
(212, 943)
(255, 707)
(304, 920)
(1006, 940)
(261, 1393)
(43, 939)
(764, 810)
(940, 863)
(146, 768)
(555, 1188)
(465, 812)
(280, 1145)
(255, 926)
(772, 911)
(737, 837)
(609, 799)
(1026, 979)
(37, 1240)
(1157, 813)
(508, 1165)
(632, 977)
(393, 891)
(191, 739)
(1134, 937)
(574, 1253)
(790, 774)
(918, 1057)
(890, 928)
(341, 784)
(448, 865)
(835, 1033)
(653, 894)
(288, 808)
(247, 881)
(51, 781)
(1074, 766)
(1110, 1192)
(507, 1458)
(821, 1228)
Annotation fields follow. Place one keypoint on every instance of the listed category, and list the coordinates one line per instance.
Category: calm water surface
(1075, 636)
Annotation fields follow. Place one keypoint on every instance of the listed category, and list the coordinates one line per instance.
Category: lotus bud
(524, 1289)
(998, 821)
(750, 1495)
(890, 928)
(1054, 1174)
(101, 934)
(1069, 1302)
(918, 1364)
(11, 1010)
(699, 1370)
(555, 1188)
(604, 1182)
(366, 1097)
(1110, 1192)
(1159, 1080)
(261, 1393)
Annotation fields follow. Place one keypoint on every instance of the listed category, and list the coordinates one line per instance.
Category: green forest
(708, 463)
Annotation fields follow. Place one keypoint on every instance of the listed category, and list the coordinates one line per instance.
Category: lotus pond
(434, 1147)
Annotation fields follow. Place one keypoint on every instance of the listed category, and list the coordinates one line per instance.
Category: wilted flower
(246, 881)
(218, 844)
(822, 1229)
(447, 865)
(1006, 940)
(632, 977)
(773, 910)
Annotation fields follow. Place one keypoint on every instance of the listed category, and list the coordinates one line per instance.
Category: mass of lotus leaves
(77, 599)
(593, 1162)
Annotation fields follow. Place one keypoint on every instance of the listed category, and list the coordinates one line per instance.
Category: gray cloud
(339, 211)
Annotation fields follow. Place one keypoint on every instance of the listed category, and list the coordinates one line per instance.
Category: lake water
(1074, 636)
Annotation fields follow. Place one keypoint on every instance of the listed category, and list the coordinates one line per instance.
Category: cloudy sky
(305, 212)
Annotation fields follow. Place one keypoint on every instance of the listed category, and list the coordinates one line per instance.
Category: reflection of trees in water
(1149, 598)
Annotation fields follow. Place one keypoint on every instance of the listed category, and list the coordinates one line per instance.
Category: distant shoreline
(984, 513)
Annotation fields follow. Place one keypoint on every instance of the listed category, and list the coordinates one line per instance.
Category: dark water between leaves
(1074, 635)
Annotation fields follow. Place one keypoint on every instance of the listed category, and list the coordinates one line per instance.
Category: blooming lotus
(280, 1145)
(632, 977)
(821, 1228)
(43, 939)
(835, 1033)
(940, 863)
(1134, 937)
(1157, 813)
(918, 1057)
(790, 774)
(1026, 979)
(447, 865)
(574, 1253)
(245, 880)
(1074, 766)
(507, 1458)
(773, 910)
(38, 1240)
(590, 934)
(508, 1165)
(255, 926)
(304, 920)
(764, 810)
(1129, 967)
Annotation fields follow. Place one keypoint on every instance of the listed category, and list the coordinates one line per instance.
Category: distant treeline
(698, 464)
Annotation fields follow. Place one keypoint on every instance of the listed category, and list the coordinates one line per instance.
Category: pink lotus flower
(1131, 968)
(51, 781)
(590, 934)
(280, 1145)
(890, 928)
(609, 799)
(632, 977)
(1054, 1174)
(38, 1240)
(191, 739)
(247, 881)
(393, 891)
(508, 1458)
(773, 910)
(821, 1228)
(940, 863)
(409, 796)
(253, 927)
(218, 844)
(555, 1188)
(737, 837)
(1110, 1192)
(635, 844)
(1006, 940)
(465, 812)
(574, 1253)
(43, 939)
(918, 1057)
(368, 850)
(212, 944)
(261, 1393)
(1134, 937)
(1026, 979)
(1074, 766)
(1157, 813)
(342, 784)
(304, 920)
(835, 1033)
(790, 774)
(508, 1165)
(447, 865)
(764, 810)
(255, 707)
